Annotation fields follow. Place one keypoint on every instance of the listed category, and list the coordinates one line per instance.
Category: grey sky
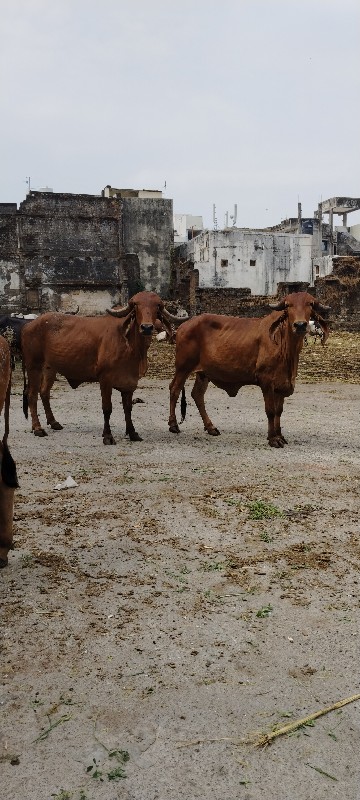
(254, 102)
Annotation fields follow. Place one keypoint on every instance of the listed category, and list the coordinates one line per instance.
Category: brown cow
(8, 477)
(233, 352)
(110, 350)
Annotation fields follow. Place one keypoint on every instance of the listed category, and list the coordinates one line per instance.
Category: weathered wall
(9, 257)
(62, 250)
(257, 260)
(148, 232)
(67, 243)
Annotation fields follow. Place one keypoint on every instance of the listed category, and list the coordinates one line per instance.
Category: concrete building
(186, 227)
(298, 250)
(243, 258)
(63, 250)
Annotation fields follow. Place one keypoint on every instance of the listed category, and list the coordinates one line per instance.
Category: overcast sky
(253, 102)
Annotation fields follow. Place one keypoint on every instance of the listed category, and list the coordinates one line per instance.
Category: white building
(258, 260)
(186, 226)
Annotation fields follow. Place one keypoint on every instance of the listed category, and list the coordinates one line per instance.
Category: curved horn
(173, 317)
(319, 307)
(119, 312)
(277, 306)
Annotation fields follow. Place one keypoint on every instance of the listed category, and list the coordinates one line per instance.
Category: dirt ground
(187, 595)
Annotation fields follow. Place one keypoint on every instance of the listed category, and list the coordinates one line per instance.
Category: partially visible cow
(314, 329)
(10, 328)
(8, 476)
(233, 352)
(110, 350)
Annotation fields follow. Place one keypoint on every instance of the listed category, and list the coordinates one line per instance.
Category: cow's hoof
(174, 428)
(134, 437)
(3, 562)
(277, 441)
(213, 431)
(109, 440)
(40, 432)
(55, 426)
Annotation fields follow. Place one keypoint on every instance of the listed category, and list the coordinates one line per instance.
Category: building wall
(236, 258)
(148, 232)
(184, 224)
(9, 257)
(62, 250)
(355, 231)
(69, 245)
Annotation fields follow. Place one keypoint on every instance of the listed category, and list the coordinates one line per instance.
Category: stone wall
(9, 261)
(233, 302)
(148, 232)
(69, 248)
(63, 250)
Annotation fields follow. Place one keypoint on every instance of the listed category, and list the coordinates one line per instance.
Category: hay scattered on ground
(338, 360)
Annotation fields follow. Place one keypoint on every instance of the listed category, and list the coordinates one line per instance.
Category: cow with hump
(109, 349)
(236, 351)
(8, 476)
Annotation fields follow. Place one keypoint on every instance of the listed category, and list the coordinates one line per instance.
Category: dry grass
(338, 360)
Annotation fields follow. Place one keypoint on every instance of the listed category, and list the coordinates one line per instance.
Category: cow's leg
(127, 406)
(176, 385)
(47, 381)
(34, 383)
(198, 395)
(6, 522)
(273, 407)
(279, 405)
(106, 391)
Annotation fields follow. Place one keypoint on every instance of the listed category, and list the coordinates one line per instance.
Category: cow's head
(145, 309)
(298, 309)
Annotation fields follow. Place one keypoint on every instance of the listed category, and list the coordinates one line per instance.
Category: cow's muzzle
(146, 328)
(300, 327)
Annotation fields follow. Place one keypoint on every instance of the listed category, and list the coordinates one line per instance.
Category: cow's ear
(167, 326)
(274, 325)
(128, 324)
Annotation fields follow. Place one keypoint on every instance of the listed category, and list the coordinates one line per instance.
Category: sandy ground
(191, 592)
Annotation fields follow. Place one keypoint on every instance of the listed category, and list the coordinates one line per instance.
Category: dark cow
(8, 476)
(233, 352)
(110, 350)
(10, 328)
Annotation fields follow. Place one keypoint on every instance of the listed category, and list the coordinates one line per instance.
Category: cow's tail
(25, 393)
(183, 404)
(8, 468)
